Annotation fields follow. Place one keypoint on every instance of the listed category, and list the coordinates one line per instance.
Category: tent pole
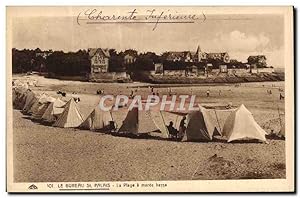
(113, 118)
(217, 120)
(164, 123)
(176, 120)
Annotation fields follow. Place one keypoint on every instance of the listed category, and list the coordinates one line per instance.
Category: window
(96, 70)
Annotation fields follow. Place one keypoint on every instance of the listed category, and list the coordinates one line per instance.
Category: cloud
(240, 41)
(241, 45)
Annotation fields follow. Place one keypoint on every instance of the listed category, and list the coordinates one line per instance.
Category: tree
(115, 61)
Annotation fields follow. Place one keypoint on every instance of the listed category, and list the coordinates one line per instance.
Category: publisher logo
(32, 187)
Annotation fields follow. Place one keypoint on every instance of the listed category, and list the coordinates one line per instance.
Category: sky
(239, 35)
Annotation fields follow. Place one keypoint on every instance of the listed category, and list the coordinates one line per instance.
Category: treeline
(78, 63)
(58, 62)
(69, 64)
(27, 61)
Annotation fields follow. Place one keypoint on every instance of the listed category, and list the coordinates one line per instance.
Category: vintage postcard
(150, 99)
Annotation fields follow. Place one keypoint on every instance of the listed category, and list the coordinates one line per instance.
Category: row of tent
(55, 111)
(201, 124)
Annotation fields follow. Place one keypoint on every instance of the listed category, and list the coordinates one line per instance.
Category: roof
(93, 51)
(257, 56)
(222, 54)
(178, 54)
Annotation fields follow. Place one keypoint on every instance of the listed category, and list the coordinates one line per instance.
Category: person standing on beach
(207, 93)
(169, 91)
(182, 127)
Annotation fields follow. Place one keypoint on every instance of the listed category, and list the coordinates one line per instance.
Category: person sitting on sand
(112, 126)
(172, 131)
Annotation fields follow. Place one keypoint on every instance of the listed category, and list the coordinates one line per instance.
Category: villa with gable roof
(99, 58)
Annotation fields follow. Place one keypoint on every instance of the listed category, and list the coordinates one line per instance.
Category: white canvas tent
(219, 117)
(70, 117)
(41, 100)
(200, 126)
(18, 96)
(159, 121)
(31, 98)
(241, 125)
(97, 119)
(39, 112)
(138, 122)
(53, 110)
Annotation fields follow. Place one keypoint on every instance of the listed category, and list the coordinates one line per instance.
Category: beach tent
(53, 110)
(21, 95)
(70, 117)
(14, 95)
(98, 119)
(41, 100)
(160, 123)
(20, 98)
(138, 122)
(200, 126)
(219, 117)
(240, 124)
(175, 117)
(39, 112)
(31, 98)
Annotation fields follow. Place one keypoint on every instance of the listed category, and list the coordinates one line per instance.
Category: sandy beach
(48, 154)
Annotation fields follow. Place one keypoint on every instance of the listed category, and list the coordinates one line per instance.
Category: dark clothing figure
(281, 97)
(207, 93)
(182, 128)
(172, 131)
(182, 122)
(131, 94)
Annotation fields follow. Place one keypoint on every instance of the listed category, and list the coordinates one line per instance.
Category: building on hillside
(223, 68)
(99, 58)
(208, 68)
(198, 56)
(159, 68)
(185, 56)
(223, 57)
